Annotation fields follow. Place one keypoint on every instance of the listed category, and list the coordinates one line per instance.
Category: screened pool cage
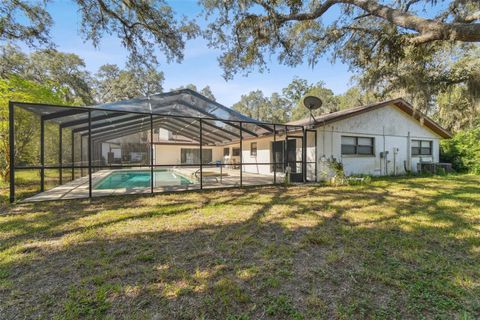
(179, 140)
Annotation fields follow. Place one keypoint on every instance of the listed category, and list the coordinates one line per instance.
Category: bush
(334, 171)
(463, 151)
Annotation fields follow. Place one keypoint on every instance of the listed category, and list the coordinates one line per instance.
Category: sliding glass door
(192, 156)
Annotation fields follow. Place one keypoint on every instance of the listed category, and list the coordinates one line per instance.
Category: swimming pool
(131, 179)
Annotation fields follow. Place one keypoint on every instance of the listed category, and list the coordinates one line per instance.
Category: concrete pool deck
(78, 188)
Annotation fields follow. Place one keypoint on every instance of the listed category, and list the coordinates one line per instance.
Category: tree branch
(318, 12)
(409, 4)
(472, 17)
(427, 29)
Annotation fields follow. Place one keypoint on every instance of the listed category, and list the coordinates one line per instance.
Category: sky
(199, 66)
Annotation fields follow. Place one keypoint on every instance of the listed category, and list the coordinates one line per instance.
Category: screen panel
(52, 178)
(221, 163)
(258, 147)
(27, 183)
(176, 141)
(257, 174)
(108, 181)
(120, 139)
(27, 138)
(221, 175)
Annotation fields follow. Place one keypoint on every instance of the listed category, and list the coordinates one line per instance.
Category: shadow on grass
(407, 248)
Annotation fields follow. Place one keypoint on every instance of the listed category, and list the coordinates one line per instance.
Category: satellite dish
(312, 102)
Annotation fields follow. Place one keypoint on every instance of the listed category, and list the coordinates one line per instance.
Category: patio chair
(213, 175)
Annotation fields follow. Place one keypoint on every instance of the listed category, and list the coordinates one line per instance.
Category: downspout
(331, 142)
(394, 161)
(385, 169)
(323, 143)
(409, 153)
(323, 158)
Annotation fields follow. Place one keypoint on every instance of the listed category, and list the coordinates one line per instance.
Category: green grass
(396, 248)
(27, 182)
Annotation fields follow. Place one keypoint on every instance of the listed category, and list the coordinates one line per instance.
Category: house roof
(399, 103)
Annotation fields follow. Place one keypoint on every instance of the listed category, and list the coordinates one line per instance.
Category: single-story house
(385, 138)
(182, 140)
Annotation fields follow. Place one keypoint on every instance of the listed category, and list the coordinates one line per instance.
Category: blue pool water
(141, 179)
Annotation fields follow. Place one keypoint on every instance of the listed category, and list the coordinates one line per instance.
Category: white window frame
(356, 145)
(420, 147)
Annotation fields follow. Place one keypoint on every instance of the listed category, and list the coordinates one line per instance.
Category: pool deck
(78, 188)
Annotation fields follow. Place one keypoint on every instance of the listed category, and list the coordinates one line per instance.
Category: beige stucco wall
(259, 163)
(254, 163)
(171, 154)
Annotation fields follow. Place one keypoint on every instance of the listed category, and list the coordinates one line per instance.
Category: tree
(12, 61)
(298, 89)
(142, 26)
(206, 91)
(113, 84)
(249, 31)
(455, 110)
(288, 106)
(255, 105)
(330, 102)
(25, 21)
(463, 150)
(395, 49)
(280, 108)
(67, 70)
(17, 89)
(427, 76)
(354, 97)
(190, 86)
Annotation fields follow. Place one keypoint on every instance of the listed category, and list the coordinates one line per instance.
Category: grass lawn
(397, 248)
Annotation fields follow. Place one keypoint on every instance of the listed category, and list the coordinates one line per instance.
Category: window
(357, 145)
(226, 152)
(192, 156)
(236, 152)
(421, 148)
(253, 149)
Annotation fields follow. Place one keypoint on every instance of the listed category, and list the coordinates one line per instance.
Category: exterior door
(294, 157)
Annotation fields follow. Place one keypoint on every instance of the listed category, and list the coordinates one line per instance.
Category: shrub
(332, 171)
(463, 151)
